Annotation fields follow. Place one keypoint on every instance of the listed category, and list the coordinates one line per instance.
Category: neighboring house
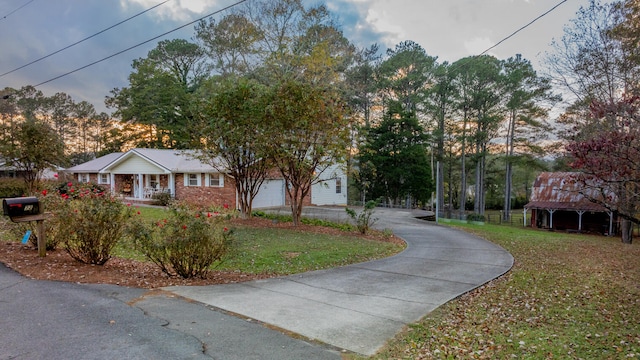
(558, 202)
(140, 173)
(9, 170)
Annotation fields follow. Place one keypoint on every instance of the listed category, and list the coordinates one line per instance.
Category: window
(338, 185)
(215, 180)
(154, 181)
(83, 178)
(104, 178)
(193, 180)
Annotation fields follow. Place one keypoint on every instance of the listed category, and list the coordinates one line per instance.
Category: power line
(11, 13)
(524, 27)
(140, 44)
(85, 39)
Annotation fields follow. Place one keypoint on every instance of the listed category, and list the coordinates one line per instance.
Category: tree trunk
(626, 227)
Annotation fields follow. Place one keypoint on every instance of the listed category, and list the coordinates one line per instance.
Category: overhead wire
(140, 44)
(83, 40)
(12, 12)
(523, 27)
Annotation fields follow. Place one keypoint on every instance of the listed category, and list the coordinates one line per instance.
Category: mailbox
(22, 206)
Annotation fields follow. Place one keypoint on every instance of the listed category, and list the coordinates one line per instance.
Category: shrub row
(88, 222)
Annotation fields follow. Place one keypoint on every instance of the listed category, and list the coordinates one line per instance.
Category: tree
(441, 105)
(236, 141)
(525, 117)
(160, 94)
(308, 132)
(610, 161)
(232, 43)
(360, 83)
(480, 85)
(591, 64)
(31, 146)
(406, 75)
(394, 160)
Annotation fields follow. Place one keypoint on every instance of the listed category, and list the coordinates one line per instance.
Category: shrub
(364, 220)
(12, 187)
(475, 217)
(161, 198)
(186, 244)
(87, 221)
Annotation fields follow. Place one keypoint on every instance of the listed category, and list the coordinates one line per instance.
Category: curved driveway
(361, 306)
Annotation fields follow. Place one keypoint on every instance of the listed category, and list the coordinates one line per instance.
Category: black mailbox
(22, 206)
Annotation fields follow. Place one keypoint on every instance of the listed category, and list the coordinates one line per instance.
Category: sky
(448, 29)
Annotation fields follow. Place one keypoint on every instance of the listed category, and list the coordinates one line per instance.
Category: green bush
(475, 217)
(186, 244)
(161, 198)
(364, 220)
(12, 187)
(87, 221)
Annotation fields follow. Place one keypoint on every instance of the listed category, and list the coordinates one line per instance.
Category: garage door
(271, 194)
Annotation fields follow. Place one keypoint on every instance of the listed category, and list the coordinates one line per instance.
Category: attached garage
(271, 194)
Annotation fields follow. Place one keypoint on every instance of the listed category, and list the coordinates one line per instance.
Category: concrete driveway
(360, 307)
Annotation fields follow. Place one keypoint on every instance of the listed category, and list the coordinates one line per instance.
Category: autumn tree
(610, 161)
(231, 43)
(308, 132)
(236, 141)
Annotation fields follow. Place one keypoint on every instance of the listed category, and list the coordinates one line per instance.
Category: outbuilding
(559, 201)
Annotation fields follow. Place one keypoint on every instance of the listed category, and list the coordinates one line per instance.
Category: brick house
(138, 174)
(558, 202)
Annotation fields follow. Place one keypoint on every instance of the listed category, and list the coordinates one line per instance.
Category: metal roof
(563, 191)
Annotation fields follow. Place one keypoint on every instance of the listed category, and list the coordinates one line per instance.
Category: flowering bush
(186, 244)
(87, 221)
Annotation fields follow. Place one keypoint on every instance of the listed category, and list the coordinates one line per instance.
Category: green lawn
(568, 296)
(283, 251)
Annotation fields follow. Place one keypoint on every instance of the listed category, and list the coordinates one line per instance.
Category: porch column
(580, 212)
(551, 211)
(112, 182)
(140, 187)
(172, 184)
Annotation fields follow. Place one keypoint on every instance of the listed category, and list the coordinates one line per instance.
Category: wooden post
(42, 240)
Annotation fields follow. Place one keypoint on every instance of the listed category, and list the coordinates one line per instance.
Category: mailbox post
(25, 209)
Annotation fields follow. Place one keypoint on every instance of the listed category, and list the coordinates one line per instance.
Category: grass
(568, 296)
(283, 251)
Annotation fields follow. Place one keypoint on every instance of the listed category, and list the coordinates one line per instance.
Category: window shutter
(186, 179)
(207, 180)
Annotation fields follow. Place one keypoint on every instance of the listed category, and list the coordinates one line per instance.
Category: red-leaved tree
(609, 160)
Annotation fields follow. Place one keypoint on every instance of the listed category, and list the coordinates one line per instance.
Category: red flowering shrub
(186, 244)
(88, 223)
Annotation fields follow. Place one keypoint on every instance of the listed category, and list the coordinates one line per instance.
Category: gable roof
(562, 191)
(95, 165)
(170, 160)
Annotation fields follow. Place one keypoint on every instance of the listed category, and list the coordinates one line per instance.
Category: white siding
(136, 165)
(324, 192)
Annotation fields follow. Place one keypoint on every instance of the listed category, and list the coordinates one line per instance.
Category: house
(560, 202)
(138, 174)
(7, 170)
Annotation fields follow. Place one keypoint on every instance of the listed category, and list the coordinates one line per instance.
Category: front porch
(142, 188)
